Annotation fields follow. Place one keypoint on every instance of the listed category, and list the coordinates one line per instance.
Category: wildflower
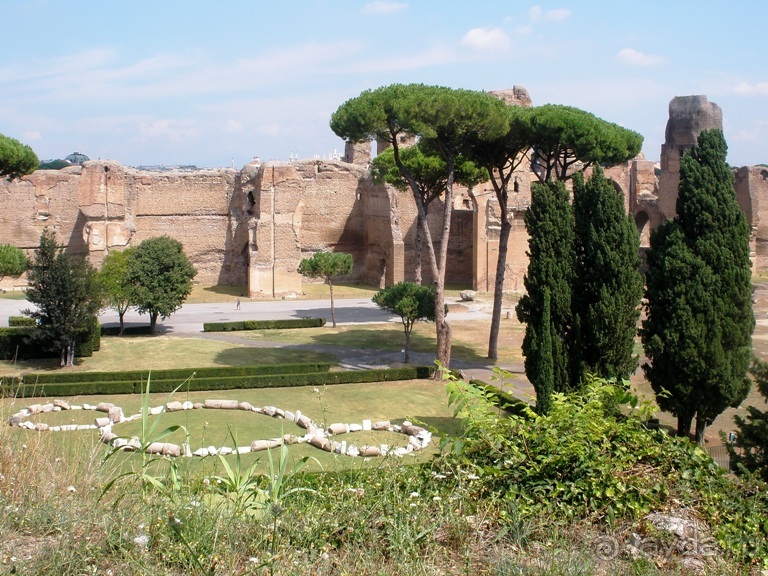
(414, 495)
(141, 541)
(473, 477)
(71, 489)
(253, 560)
(436, 499)
(315, 391)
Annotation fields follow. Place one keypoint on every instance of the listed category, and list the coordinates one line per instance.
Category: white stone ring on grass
(323, 439)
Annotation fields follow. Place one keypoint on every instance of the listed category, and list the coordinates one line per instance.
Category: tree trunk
(63, 357)
(121, 314)
(498, 289)
(333, 310)
(408, 344)
(701, 427)
(71, 353)
(684, 425)
(419, 243)
(152, 322)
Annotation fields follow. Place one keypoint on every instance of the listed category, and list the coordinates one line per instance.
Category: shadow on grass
(442, 424)
(251, 355)
(394, 340)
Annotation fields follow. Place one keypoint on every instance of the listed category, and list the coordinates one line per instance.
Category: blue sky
(208, 83)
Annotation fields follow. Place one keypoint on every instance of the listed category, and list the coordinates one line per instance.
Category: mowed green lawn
(418, 400)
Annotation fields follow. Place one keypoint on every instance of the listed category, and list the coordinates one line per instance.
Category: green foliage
(159, 276)
(411, 302)
(140, 376)
(562, 137)
(21, 321)
(67, 297)
(16, 159)
(608, 284)
(699, 320)
(549, 223)
(113, 277)
(750, 454)
(144, 472)
(586, 460)
(54, 165)
(13, 261)
(328, 266)
(32, 387)
(264, 324)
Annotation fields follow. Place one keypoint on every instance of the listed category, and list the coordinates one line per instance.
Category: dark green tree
(699, 321)
(444, 121)
(608, 285)
(159, 276)
(113, 277)
(565, 140)
(328, 266)
(16, 159)
(750, 452)
(412, 302)
(13, 261)
(429, 171)
(550, 276)
(67, 297)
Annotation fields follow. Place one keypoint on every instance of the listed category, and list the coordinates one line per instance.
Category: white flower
(473, 477)
(71, 489)
(414, 494)
(253, 560)
(142, 541)
(436, 499)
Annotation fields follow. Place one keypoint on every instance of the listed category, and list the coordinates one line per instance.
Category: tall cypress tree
(698, 330)
(608, 284)
(549, 222)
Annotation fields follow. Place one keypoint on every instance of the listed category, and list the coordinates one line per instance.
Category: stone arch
(643, 224)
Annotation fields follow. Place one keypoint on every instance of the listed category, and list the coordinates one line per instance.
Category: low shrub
(31, 388)
(21, 321)
(263, 324)
(143, 330)
(174, 373)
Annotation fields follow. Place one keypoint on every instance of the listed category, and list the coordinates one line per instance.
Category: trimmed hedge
(174, 373)
(21, 321)
(13, 344)
(144, 330)
(218, 383)
(263, 325)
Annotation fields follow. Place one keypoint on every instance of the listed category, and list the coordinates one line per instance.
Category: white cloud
(486, 39)
(746, 89)
(177, 131)
(558, 14)
(30, 135)
(634, 57)
(384, 7)
(233, 126)
(524, 30)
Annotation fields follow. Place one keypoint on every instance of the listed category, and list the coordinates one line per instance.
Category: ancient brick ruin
(253, 226)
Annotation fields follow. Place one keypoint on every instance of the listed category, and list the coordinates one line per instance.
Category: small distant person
(237, 305)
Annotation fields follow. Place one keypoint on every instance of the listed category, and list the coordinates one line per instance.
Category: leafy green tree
(159, 276)
(699, 320)
(429, 171)
(549, 279)
(114, 280)
(752, 438)
(66, 295)
(444, 121)
(608, 284)
(13, 261)
(411, 302)
(564, 140)
(328, 266)
(16, 159)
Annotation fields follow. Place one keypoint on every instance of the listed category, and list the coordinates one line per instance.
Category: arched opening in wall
(643, 228)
